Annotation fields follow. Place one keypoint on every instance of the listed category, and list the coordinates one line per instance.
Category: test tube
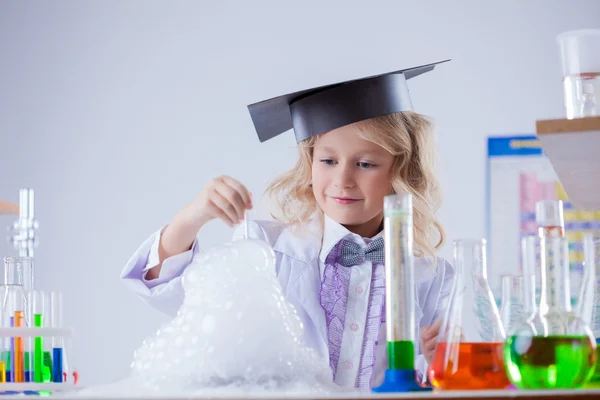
(38, 341)
(56, 302)
(549, 218)
(28, 356)
(530, 264)
(513, 299)
(18, 319)
(5, 323)
(3, 357)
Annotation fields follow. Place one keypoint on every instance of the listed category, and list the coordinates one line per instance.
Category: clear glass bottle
(469, 351)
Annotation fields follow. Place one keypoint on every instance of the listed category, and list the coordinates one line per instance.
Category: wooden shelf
(573, 148)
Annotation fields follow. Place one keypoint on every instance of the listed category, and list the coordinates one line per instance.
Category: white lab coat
(299, 271)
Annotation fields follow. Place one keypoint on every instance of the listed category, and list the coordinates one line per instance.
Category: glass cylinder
(400, 307)
(19, 271)
(549, 218)
(588, 304)
(471, 337)
(552, 348)
(580, 56)
(529, 265)
(513, 300)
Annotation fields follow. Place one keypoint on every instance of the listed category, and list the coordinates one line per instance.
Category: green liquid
(401, 354)
(38, 351)
(47, 374)
(551, 362)
(595, 380)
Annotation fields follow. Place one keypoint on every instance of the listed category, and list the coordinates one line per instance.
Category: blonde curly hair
(406, 135)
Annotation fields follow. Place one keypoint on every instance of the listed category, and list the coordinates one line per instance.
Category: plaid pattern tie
(353, 254)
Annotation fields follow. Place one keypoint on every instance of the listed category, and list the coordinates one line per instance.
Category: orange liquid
(469, 366)
(19, 367)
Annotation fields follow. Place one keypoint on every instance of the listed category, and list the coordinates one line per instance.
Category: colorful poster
(518, 176)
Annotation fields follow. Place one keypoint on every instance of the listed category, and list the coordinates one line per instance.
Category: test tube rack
(36, 387)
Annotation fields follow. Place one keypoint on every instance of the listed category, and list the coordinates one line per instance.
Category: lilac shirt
(334, 299)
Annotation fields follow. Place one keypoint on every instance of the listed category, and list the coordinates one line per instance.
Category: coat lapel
(304, 286)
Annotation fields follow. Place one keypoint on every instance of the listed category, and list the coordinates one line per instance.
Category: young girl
(358, 142)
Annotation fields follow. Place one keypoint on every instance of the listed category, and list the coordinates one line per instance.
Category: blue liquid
(57, 365)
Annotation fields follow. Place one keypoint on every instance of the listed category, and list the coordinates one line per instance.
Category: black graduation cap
(318, 110)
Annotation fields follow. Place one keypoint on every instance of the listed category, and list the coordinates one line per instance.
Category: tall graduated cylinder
(471, 337)
(400, 308)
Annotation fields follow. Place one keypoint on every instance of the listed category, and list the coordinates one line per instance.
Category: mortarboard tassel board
(314, 111)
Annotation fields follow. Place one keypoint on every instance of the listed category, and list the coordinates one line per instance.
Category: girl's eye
(365, 165)
(328, 162)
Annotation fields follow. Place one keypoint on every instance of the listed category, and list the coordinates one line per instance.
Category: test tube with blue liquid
(56, 303)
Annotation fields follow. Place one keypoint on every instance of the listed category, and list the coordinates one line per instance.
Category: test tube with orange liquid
(469, 353)
(16, 307)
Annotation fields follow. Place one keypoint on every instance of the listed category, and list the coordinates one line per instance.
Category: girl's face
(350, 178)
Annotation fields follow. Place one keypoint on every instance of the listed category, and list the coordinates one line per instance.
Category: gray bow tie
(353, 254)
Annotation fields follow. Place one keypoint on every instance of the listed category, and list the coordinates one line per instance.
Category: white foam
(234, 331)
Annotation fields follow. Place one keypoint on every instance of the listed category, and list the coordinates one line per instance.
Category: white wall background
(117, 114)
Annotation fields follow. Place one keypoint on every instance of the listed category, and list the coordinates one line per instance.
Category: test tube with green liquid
(39, 304)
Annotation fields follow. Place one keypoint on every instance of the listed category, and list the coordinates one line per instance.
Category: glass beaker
(580, 56)
(551, 348)
(469, 349)
(19, 271)
(512, 305)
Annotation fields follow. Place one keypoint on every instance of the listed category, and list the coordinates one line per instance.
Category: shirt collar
(333, 232)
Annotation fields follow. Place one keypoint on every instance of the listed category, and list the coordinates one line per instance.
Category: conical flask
(551, 348)
(469, 350)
